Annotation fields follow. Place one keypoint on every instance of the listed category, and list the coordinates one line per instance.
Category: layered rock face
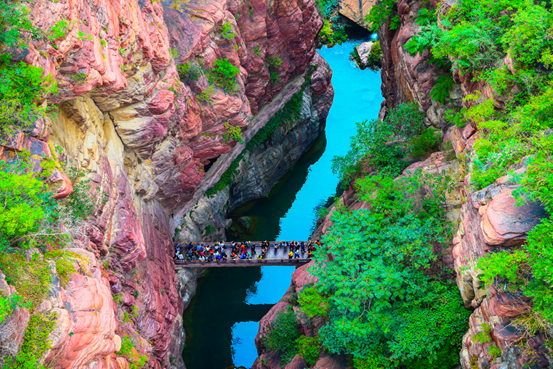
(143, 137)
(259, 169)
(405, 77)
(489, 220)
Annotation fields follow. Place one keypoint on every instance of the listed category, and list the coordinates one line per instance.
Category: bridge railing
(241, 262)
(273, 256)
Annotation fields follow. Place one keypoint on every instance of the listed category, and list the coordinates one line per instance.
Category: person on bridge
(290, 255)
(296, 254)
(309, 254)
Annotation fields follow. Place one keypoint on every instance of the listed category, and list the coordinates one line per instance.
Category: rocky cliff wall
(486, 221)
(260, 168)
(143, 137)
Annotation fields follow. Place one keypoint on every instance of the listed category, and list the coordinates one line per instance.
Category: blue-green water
(222, 320)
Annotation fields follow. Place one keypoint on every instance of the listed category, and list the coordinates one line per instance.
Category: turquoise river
(222, 320)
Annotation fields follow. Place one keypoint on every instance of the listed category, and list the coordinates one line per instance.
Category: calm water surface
(223, 319)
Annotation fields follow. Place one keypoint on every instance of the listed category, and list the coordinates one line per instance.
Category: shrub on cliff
(22, 86)
(224, 75)
(282, 335)
(381, 144)
(508, 46)
(389, 303)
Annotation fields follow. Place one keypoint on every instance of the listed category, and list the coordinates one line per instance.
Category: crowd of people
(219, 251)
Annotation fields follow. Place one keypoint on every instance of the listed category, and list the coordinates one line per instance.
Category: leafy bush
(226, 31)
(78, 77)
(224, 75)
(476, 36)
(389, 305)
(35, 343)
(233, 132)
(312, 302)
(22, 86)
(59, 30)
(330, 35)
(381, 145)
(327, 7)
(309, 349)
(26, 204)
(440, 92)
(374, 61)
(206, 94)
(273, 61)
(31, 279)
(189, 71)
(282, 335)
(427, 142)
(136, 361)
(257, 51)
(79, 205)
(380, 13)
(274, 77)
(9, 303)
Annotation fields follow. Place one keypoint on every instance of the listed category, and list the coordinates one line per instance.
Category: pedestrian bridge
(273, 256)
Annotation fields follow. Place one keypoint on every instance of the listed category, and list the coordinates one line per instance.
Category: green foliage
(282, 335)
(273, 61)
(189, 71)
(206, 94)
(389, 305)
(289, 113)
(330, 35)
(233, 132)
(380, 13)
(35, 343)
(312, 302)
(426, 143)
(484, 336)
(9, 303)
(257, 51)
(380, 144)
(136, 361)
(224, 75)
(309, 349)
(327, 7)
(26, 204)
(78, 77)
(440, 92)
(274, 77)
(226, 178)
(30, 278)
(477, 36)
(14, 21)
(374, 61)
(494, 350)
(22, 86)
(65, 263)
(174, 53)
(226, 31)
(79, 205)
(59, 30)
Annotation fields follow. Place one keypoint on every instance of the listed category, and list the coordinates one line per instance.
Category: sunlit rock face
(143, 137)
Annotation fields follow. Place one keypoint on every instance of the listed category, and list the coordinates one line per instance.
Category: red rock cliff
(143, 137)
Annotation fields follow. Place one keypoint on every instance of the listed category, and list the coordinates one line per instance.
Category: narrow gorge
(411, 140)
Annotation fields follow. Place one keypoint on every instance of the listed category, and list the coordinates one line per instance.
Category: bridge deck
(272, 257)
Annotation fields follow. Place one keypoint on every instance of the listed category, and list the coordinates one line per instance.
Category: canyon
(156, 147)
